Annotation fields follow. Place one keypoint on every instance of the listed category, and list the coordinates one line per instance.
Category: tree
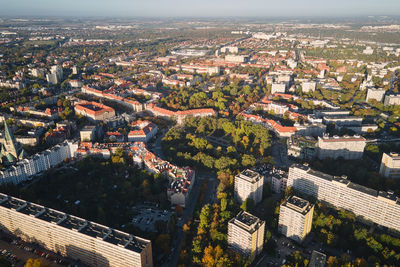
(248, 160)
(248, 205)
(163, 242)
(34, 263)
(332, 262)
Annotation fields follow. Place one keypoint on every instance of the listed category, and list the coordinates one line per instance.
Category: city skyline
(206, 8)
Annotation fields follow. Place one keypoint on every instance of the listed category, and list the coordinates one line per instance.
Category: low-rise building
(246, 234)
(390, 165)
(94, 111)
(295, 218)
(143, 131)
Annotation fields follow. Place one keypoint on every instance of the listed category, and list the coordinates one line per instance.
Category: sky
(199, 8)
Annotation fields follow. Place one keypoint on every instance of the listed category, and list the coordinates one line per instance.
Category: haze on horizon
(196, 8)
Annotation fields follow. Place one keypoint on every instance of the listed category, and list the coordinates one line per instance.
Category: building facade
(249, 184)
(246, 234)
(382, 208)
(390, 165)
(91, 243)
(24, 169)
(348, 147)
(295, 218)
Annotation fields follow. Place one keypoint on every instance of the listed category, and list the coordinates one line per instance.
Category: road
(209, 197)
(279, 153)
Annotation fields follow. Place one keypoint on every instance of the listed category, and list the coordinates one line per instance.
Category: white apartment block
(236, 58)
(392, 100)
(390, 165)
(37, 163)
(376, 94)
(382, 208)
(278, 180)
(73, 237)
(278, 88)
(246, 234)
(308, 86)
(249, 184)
(348, 147)
(295, 218)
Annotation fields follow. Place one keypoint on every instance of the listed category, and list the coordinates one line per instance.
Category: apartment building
(390, 165)
(91, 243)
(302, 147)
(348, 147)
(392, 100)
(249, 184)
(278, 179)
(94, 111)
(376, 94)
(308, 86)
(382, 208)
(295, 218)
(143, 132)
(246, 234)
(24, 169)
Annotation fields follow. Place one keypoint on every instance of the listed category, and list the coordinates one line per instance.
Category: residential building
(179, 115)
(390, 165)
(302, 147)
(278, 88)
(295, 218)
(369, 205)
(392, 100)
(376, 94)
(88, 133)
(94, 111)
(237, 58)
(347, 147)
(37, 163)
(278, 179)
(246, 234)
(91, 243)
(308, 86)
(249, 184)
(143, 131)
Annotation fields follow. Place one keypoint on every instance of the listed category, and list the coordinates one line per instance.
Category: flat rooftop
(298, 204)
(349, 184)
(249, 175)
(246, 221)
(70, 222)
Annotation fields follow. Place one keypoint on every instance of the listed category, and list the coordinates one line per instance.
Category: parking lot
(147, 216)
(18, 252)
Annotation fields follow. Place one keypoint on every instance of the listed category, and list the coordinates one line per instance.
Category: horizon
(203, 9)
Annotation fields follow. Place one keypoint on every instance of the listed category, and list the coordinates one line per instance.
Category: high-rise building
(381, 207)
(246, 234)
(73, 237)
(390, 165)
(295, 218)
(249, 184)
